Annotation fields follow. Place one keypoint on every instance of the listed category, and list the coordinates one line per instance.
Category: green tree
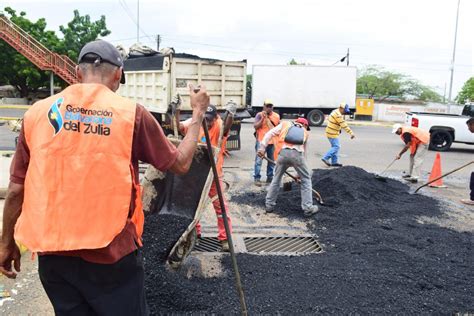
(376, 82)
(80, 31)
(18, 71)
(248, 93)
(467, 92)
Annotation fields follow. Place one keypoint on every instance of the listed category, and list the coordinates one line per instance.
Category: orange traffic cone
(436, 172)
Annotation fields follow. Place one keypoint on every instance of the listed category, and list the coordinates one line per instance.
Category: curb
(369, 123)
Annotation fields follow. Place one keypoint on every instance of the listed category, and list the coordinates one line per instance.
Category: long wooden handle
(444, 175)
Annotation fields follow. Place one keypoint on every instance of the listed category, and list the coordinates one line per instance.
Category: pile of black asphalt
(379, 257)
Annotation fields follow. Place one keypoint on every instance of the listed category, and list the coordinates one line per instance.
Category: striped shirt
(335, 123)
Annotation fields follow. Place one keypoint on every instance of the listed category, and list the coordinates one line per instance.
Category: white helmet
(396, 127)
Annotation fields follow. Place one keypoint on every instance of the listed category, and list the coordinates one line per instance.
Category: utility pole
(454, 55)
(138, 21)
(158, 41)
(347, 57)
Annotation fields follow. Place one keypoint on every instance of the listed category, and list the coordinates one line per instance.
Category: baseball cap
(396, 127)
(268, 102)
(211, 112)
(345, 106)
(303, 121)
(105, 51)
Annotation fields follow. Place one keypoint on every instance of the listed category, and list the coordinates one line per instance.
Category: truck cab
(445, 129)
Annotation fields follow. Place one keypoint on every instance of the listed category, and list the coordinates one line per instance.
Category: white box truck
(153, 81)
(312, 91)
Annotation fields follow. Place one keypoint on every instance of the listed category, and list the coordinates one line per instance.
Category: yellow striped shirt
(335, 123)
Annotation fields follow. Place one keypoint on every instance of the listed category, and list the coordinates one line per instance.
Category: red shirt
(149, 145)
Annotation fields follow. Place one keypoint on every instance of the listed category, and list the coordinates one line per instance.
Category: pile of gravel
(378, 258)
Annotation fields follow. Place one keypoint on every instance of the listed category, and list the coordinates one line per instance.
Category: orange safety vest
(274, 119)
(418, 136)
(214, 134)
(79, 180)
(281, 138)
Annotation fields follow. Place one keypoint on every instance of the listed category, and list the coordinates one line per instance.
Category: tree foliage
(19, 72)
(376, 82)
(467, 92)
(79, 31)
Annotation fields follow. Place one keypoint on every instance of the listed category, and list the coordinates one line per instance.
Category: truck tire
(440, 140)
(315, 118)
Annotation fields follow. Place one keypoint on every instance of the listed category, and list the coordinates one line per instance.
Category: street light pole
(138, 20)
(454, 55)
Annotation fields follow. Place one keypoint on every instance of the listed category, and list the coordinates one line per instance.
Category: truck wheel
(315, 118)
(441, 140)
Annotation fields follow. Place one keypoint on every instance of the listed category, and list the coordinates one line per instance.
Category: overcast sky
(414, 37)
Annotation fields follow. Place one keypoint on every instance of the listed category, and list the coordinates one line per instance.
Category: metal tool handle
(238, 283)
(388, 167)
(296, 180)
(444, 175)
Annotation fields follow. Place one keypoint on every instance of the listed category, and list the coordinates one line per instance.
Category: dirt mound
(378, 258)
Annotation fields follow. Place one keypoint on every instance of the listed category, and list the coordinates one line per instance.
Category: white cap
(396, 127)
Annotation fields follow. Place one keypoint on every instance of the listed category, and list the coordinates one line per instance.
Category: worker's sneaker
(467, 201)
(412, 180)
(225, 245)
(269, 208)
(311, 210)
(326, 162)
(336, 165)
(258, 183)
(406, 176)
(269, 180)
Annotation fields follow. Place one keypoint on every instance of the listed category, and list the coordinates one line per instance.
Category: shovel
(442, 176)
(286, 186)
(379, 176)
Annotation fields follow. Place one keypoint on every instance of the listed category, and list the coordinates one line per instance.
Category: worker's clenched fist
(261, 153)
(199, 98)
(9, 253)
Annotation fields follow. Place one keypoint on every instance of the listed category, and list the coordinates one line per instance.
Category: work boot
(467, 201)
(311, 210)
(336, 165)
(326, 162)
(257, 182)
(225, 245)
(406, 176)
(269, 180)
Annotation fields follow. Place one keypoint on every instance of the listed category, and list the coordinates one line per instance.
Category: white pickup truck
(444, 128)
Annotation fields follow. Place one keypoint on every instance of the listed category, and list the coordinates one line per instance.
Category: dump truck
(312, 91)
(155, 80)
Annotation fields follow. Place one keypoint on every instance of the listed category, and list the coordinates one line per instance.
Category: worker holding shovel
(74, 196)
(218, 133)
(417, 140)
(291, 147)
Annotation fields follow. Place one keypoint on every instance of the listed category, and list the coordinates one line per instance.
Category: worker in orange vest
(74, 195)
(291, 150)
(417, 140)
(470, 201)
(265, 121)
(218, 134)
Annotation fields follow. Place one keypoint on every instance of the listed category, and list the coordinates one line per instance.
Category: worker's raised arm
(187, 147)
(269, 135)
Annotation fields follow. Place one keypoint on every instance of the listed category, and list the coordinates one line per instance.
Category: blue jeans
(332, 153)
(270, 150)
